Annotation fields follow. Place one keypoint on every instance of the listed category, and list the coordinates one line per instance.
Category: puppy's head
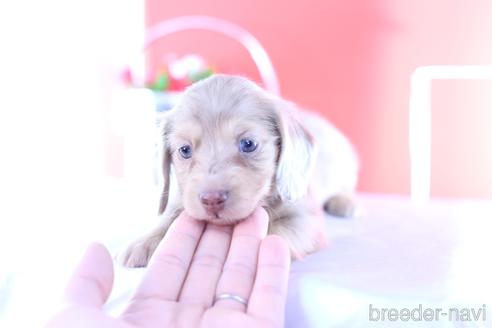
(231, 145)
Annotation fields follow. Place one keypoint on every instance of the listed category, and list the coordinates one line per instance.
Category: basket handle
(246, 39)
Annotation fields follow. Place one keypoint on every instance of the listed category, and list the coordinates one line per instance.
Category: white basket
(213, 24)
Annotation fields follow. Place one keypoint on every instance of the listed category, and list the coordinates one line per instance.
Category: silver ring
(232, 297)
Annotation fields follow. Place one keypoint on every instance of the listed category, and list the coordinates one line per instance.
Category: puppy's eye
(247, 145)
(185, 151)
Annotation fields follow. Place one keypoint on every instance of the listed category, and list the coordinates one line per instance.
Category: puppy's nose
(214, 200)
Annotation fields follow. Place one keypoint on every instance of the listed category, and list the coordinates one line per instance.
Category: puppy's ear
(164, 162)
(297, 153)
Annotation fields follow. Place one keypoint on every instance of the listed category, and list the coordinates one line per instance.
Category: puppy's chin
(222, 222)
(221, 218)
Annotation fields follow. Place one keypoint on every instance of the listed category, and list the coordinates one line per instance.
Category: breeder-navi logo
(427, 314)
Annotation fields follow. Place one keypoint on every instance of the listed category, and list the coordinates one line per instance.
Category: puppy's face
(223, 142)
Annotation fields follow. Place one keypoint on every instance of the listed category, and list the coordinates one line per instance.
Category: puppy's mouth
(223, 217)
(219, 218)
(220, 212)
(214, 215)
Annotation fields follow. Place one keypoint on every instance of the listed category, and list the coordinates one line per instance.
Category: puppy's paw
(341, 206)
(138, 254)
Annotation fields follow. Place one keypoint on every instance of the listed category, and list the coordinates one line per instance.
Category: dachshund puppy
(228, 147)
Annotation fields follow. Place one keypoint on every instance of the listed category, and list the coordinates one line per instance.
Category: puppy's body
(229, 147)
(336, 166)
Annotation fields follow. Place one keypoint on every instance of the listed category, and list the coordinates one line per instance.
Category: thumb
(92, 281)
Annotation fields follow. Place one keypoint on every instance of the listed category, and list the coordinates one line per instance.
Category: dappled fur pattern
(301, 164)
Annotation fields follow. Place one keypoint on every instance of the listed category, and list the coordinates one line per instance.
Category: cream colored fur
(301, 164)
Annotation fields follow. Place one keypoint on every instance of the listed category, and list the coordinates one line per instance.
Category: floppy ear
(297, 153)
(164, 162)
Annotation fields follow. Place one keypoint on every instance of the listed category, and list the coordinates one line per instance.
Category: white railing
(420, 115)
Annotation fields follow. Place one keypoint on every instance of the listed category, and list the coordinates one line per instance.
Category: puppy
(228, 147)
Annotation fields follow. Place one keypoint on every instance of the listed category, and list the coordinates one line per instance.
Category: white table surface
(393, 255)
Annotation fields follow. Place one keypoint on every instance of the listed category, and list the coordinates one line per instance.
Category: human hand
(194, 263)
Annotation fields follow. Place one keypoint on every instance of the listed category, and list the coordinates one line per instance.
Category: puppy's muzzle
(214, 201)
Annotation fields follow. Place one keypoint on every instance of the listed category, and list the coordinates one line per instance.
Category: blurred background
(352, 61)
(80, 93)
(64, 65)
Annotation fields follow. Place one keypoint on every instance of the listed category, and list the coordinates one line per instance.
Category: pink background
(352, 61)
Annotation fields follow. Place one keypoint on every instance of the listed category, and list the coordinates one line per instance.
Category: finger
(92, 281)
(270, 288)
(240, 268)
(168, 266)
(206, 266)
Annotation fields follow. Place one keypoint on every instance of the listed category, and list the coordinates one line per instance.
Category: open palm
(193, 264)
